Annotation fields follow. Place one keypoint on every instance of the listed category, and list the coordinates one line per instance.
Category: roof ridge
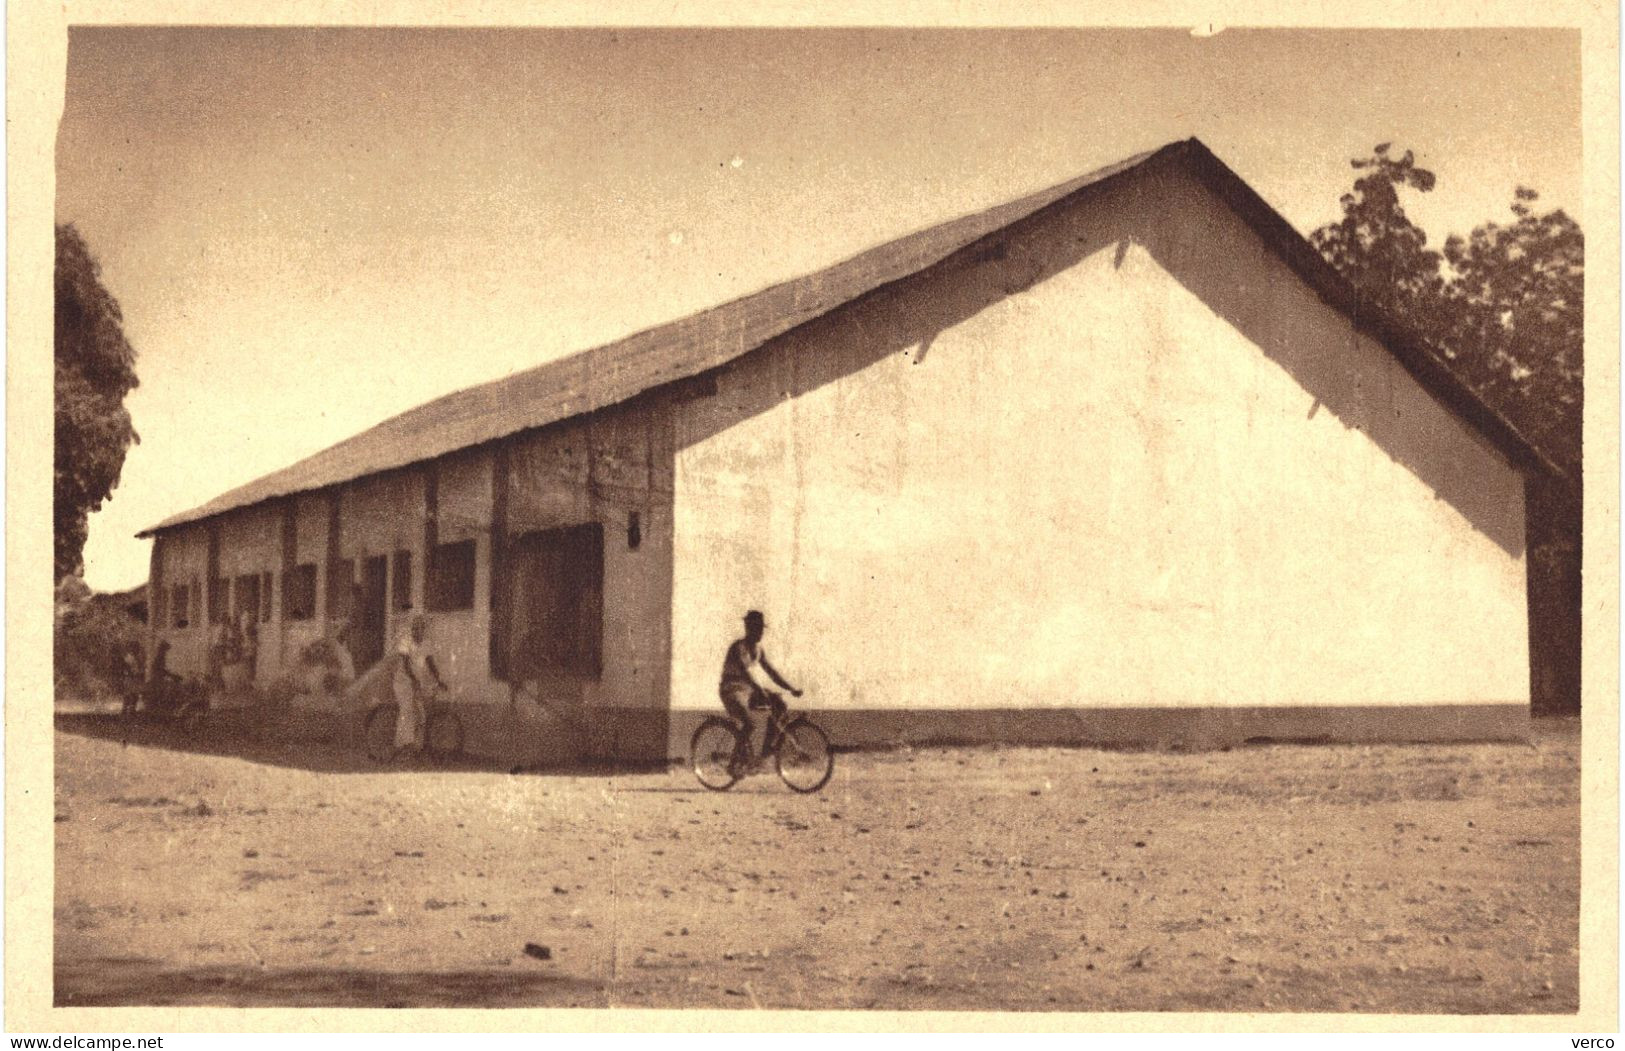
(648, 330)
(596, 377)
(936, 242)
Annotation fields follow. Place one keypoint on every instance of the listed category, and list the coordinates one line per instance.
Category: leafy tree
(1517, 298)
(95, 370)
(1376, 246)
(98, 646)
(1504, 306)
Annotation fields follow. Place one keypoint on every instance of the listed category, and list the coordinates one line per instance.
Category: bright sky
(312, 230)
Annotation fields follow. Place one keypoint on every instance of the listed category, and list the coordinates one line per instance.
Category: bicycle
(182, 703)
(801, 753)
(442, 731)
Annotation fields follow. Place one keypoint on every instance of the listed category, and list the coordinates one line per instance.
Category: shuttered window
(450, 582)
(245, 597)
(401, 581)
(299, 592)
(340, 589)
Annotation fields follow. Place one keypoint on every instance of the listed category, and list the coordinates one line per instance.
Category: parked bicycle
(181, 703)
(442, 731)
(800, 752)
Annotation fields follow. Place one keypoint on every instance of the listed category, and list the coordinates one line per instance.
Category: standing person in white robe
(413, 674)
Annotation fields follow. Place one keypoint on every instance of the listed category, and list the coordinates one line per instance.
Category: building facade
(1117, 463)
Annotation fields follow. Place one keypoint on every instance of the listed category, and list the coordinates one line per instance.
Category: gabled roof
(615, 372)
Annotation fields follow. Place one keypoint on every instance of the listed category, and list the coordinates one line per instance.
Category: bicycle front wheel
(804, 758)
(379, 733)
(711, 751)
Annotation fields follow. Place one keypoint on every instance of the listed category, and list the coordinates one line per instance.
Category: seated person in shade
(248, 635)
(131, 674)
(161, 684)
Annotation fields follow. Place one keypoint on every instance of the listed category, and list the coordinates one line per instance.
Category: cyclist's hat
(755, 617)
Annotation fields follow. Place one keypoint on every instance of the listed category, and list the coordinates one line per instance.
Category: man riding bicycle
(741, 691)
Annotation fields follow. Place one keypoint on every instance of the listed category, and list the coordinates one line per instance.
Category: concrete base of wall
(527, 737)
(509, 734)
(1167, 728)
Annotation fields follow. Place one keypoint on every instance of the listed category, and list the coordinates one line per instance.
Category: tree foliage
(1503, 306)
(98, 646)
(95, 370)
(1377, 247)
(1517, 298)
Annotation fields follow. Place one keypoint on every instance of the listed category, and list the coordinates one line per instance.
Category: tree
(1517, 298)
(1376, 246)
(95, 370)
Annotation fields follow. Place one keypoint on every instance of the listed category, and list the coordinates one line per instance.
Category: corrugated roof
(615, 372)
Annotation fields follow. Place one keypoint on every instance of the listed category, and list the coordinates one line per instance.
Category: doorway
(557, 628)
(245, 613)
(370, 615)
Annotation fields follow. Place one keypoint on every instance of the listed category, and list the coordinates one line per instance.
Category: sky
(311, 230)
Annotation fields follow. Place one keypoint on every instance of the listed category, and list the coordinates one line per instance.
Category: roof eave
(1409, 347)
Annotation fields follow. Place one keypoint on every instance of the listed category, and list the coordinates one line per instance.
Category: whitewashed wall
(381, 515)
(1164, 475)
(603, 472)
(185, 557)
(251, 542)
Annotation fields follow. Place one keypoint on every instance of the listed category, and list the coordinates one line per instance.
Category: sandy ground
(1301, 878)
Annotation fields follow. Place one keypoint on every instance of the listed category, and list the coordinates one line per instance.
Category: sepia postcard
(734, 519)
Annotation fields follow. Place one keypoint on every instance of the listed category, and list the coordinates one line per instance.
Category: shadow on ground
(135, 981)
(297, 740)
(310, 741)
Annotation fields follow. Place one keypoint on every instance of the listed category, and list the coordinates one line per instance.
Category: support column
(212, 580)
(157, 604)
(325, 593)
(290, 558)
(501, 593)
(431, 529)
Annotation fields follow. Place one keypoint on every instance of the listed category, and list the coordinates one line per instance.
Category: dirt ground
(1275, 878)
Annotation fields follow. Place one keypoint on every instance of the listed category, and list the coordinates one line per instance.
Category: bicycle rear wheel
(443, 736)
(803, 756)
(711, 752)
(378, 736)
(191, 719)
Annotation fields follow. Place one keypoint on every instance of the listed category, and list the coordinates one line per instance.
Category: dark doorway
(368, 636)
(557, 577)
(245, 615)
(245, 596)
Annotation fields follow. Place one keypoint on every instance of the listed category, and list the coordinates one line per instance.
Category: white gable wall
(1098, 492)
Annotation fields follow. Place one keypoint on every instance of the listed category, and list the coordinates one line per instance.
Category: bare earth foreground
(1289, 878)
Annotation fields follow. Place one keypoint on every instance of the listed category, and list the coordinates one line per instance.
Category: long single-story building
(1124, 461)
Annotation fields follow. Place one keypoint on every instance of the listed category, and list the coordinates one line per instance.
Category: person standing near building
(248, 634)
(415, 679)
